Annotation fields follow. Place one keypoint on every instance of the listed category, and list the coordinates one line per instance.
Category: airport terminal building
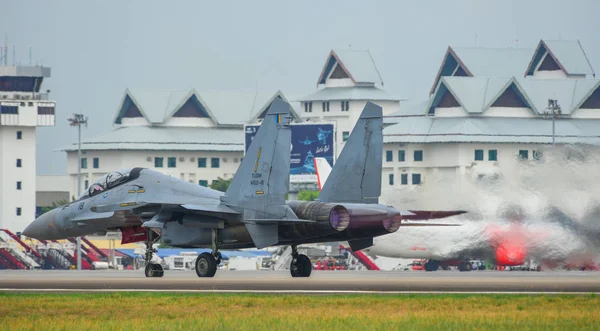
(489, 108)
(194, 136)
(198, 136)
(486, 108)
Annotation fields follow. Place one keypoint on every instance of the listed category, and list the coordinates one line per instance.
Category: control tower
(23, 107)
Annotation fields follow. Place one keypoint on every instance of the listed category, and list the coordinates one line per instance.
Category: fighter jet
(147, 206)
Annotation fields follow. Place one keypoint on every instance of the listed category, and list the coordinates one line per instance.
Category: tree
(55, 204)
(220, 184)
(308, 195)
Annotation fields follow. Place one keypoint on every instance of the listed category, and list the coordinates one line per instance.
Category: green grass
(160, 311)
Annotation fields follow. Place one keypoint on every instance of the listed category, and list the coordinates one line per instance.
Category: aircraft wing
(170, 206)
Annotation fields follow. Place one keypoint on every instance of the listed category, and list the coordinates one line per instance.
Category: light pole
(77, 120)
(553, 111)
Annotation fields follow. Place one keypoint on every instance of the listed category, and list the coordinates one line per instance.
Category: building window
(19, 135)
(86, 184)
(201, 162)
(325, 106)
(172, 162)
(96, 163)
(18, 211)
(537, 155)
(18, 185)
(493, 155)
(416, 179)
(214, 162)
(84, 163)
(9, 110)
(203, 183)
(404, 179)
(19, 163)
(391, 179)
(479, 155)
(345, 105)
(401, 155)
(158, 162)
(345, 135)
(308, 107)
(523, 154)
(418, 155)
(389, 156)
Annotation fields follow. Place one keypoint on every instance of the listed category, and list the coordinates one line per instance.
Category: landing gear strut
(207, 263)
(301, 265)
(152, 269)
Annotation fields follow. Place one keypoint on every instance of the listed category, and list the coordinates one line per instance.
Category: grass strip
(160, 311)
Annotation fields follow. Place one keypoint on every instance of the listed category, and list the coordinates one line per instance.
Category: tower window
(202, 163)
(325, 106)
(493, 155)
(172, 162)
(18, 185)
(214, 162)
(18, 211)
(19, 163)
(84, 163)
(96, 162)
(19, 135)
(158, 162)
(401, 155)
(391, 179)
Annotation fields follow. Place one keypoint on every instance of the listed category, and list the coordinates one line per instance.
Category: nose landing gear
(152, 269)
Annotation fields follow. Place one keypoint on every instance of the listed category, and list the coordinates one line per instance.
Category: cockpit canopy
(111, 180)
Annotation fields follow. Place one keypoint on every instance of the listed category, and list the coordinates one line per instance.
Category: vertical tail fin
(261, 182)
(356, 175)
(263, 176)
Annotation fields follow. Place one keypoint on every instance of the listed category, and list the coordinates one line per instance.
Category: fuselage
(132, 197)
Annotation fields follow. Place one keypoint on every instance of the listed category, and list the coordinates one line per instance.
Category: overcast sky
(97, 49)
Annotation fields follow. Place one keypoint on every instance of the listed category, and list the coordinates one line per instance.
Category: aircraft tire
(154, 270)
(301, 266)
(206, 265)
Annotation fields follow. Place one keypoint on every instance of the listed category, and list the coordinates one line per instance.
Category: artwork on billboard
(308, 141)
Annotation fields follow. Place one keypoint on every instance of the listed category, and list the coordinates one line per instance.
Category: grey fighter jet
(147, 205)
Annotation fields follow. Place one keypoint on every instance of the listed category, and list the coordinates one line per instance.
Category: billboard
(309, 140)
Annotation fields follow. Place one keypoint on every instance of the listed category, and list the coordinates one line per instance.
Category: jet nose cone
(42, 228)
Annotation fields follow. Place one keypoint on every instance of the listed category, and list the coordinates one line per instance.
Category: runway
(319, 282)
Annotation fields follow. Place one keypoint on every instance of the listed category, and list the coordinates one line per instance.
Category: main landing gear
(207, 263)
(152, 269)
(301, 265)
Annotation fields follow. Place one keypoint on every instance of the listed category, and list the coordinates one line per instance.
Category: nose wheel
(152, 269)
(301, 265)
